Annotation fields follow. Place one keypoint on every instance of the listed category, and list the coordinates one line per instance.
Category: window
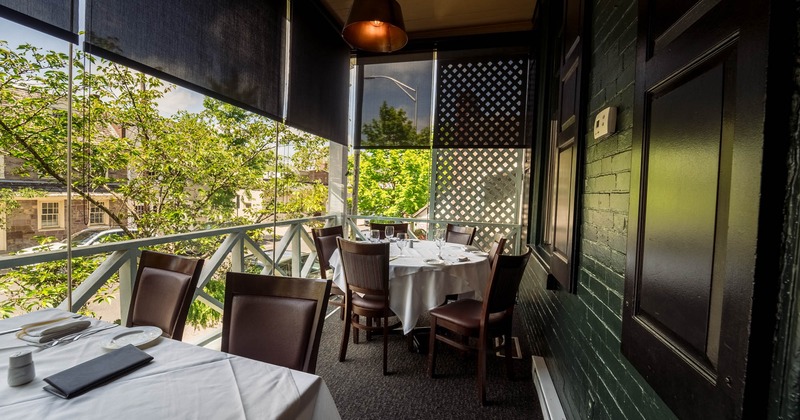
(97, 216)
(50, 215)
(561, 147)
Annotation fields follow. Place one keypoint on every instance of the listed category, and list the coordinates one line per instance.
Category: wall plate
(605, 123)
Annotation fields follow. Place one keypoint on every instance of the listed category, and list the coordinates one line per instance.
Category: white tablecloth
(182, 382)
(416, 287)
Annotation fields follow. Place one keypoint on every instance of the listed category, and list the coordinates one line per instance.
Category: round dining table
(420, 281)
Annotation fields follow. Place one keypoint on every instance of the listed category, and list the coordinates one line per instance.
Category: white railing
(123, 256)
(295, 243)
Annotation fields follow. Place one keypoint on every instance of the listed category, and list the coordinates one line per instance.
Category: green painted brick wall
(579, 334)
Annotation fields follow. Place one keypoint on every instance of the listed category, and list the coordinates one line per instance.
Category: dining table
(182, 381)
(419, 280)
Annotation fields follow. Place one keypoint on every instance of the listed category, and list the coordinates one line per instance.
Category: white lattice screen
(479, 185)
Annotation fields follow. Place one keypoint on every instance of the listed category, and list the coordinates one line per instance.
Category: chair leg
(345, 338)
(482, 344)
(385, 344)
(355, 330)
(432, 348)
(507, 344)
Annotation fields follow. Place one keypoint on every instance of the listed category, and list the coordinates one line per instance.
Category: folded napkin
(96, 372)
(44, 332)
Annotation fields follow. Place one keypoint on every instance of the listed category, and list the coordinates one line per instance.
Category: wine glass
(374, 235)
(438, 238)
(389, 232)
(401, 241)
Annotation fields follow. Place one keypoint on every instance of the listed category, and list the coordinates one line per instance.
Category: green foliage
(44, 285)
(393, 182)
(187, 169)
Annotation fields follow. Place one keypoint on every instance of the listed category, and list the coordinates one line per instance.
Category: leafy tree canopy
(393, 182)
(170, 173)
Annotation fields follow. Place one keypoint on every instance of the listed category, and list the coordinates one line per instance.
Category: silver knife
(11, 330)
(51, 321)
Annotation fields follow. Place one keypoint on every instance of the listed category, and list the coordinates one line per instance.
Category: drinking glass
(375, 235)
(401, 241)
(389, 232)
(438, 238)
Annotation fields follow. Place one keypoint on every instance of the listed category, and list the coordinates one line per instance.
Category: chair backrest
(325, 243)
(398, 227)
(366, 266)
(498, 244)
(164, 289)
(463, 235)
(273, 319)
(501, 292)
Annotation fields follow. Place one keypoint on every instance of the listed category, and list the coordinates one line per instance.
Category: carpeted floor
(362, 392)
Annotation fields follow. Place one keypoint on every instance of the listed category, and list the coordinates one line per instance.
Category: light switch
(605, 123)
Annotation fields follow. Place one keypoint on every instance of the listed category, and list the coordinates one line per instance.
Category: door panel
(678, 249)
(694, 215)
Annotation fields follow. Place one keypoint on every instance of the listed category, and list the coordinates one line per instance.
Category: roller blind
(394, 106)
(319, 74)
(228, 49)
(481, 100)
(55, 17)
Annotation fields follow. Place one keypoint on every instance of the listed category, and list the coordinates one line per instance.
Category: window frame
(59, 202)
(103, 215)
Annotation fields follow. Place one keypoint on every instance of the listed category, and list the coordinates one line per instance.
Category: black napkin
(95, 372)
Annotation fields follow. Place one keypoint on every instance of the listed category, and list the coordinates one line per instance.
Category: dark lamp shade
(375, 26)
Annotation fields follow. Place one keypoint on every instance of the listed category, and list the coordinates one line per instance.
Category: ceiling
(444, 18)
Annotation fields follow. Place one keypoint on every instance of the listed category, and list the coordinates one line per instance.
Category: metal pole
(69, 183)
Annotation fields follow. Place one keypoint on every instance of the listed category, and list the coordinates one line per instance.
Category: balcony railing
(294, 244)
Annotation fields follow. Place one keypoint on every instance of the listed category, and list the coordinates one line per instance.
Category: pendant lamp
(375, 26)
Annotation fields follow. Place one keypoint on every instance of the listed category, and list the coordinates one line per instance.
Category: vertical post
(237, 253)
(337, 181)
(518, 186)
(296, 250)
(127, 276)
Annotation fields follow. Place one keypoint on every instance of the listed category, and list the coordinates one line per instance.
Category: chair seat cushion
(374, 303)
(465, 313)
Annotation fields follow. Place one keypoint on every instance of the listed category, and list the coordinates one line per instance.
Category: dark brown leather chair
(495, 250)
(366, 271)
(164, 289)
(497, 247)
(482, 320)
(463, 235)
(273, 319)
(325, 243)
(398, 227)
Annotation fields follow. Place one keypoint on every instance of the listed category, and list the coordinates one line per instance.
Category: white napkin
(42, 333)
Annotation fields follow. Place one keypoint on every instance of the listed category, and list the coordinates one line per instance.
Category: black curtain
(228, 49)
(58, 18)
(319, 74)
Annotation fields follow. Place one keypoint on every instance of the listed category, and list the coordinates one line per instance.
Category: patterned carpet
(362, 392)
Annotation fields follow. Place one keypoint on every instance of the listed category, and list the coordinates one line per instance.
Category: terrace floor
(362, 392)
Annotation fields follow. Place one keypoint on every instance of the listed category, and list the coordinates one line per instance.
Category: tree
(393, 182)
(187, 169)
